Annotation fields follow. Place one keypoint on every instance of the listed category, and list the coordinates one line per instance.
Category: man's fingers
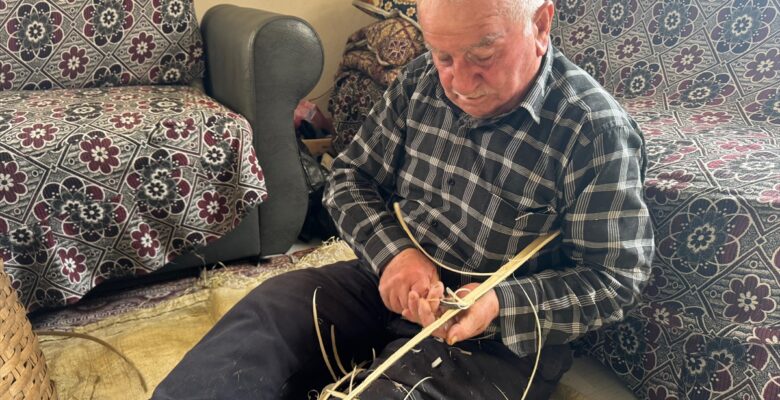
(464, 328)
(421, 287)
(435, 295)
(396, 303)
(412, 307)
(428, 315)
(425, 313)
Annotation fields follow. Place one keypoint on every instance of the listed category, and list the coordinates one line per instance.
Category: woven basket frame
(23, 372)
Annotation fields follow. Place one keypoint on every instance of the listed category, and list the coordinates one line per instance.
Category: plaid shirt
(475, 192)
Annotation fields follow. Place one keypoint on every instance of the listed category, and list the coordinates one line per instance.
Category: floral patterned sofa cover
(111, 163)
(702, 79)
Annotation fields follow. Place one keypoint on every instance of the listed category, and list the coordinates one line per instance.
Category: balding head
(487, 52)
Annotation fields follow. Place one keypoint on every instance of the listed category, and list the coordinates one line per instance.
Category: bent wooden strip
(504, 272)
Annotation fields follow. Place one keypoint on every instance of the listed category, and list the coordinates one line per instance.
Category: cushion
(93, 43)
(352, 99)
(103, 183)
(395, 41)
(372, 60)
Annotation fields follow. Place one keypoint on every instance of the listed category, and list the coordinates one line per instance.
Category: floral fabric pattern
(683, 53)
(98, 43)
(373, 58)
(102, 183)
(702, 79)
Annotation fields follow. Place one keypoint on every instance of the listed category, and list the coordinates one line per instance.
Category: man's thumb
(455, 333)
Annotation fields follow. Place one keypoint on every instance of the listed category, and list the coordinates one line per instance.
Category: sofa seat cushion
(707, 326)
(103, 183)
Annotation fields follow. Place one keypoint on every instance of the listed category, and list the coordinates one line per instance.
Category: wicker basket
(23, 372)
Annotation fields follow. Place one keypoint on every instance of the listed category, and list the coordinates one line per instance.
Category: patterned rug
(95, 309)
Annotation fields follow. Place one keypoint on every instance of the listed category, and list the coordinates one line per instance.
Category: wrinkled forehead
(485, 41)
(454, 29)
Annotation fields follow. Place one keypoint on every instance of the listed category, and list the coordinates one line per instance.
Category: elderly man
(489, 140)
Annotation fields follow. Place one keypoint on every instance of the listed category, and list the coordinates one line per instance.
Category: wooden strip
(319, 335)
(400, 216)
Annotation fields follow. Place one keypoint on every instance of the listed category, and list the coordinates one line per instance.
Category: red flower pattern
(142, 48)
(771, 196)
(667, 314)
(74, 62)
(6, 77)
(740, 147)
(255, 166)
(659, 393)
(668, 185)
(11, 182)
(127, 120)
(37, 135)
(179, 129)
(99, 154)
(711, 117)
(580, 35)
(213, 207)
(145, 241)
(72, 263)
(749, 300)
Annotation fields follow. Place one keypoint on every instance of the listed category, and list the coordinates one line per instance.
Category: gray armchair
(261, 64)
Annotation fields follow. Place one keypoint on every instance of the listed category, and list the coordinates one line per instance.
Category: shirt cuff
(515, 317)
(385, 244)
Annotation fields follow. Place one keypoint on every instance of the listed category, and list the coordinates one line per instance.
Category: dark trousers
(266, 347)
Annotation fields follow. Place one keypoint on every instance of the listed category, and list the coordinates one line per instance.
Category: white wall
(334, 21)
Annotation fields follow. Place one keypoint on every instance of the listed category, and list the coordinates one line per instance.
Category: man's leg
(269, 336)
(470, 370)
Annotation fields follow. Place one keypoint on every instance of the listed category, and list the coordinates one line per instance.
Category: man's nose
(465, 80)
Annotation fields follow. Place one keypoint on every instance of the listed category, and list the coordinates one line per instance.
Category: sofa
(134, 141)
(702, 79)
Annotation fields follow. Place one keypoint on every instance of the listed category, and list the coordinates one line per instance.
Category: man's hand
(408, 272)
(474, 320)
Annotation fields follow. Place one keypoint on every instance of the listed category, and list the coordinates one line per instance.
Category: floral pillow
(92, 43)
(389, 8)
(395, 41)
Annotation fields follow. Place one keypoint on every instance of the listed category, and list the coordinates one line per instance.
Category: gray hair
(517, 10)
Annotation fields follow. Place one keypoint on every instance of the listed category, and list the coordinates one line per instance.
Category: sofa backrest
(48, 44)
(690, 53)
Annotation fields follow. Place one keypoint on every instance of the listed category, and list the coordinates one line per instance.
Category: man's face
(486, 62)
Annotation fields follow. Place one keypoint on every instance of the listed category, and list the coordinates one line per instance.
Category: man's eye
(481, 59)
(444, 59)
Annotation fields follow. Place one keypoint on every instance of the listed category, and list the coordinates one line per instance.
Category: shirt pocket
(536, 220)
(514, 218)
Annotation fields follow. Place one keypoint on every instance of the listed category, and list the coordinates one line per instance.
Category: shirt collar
(534, 98)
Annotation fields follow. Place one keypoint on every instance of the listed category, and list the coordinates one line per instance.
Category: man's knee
(302, 283)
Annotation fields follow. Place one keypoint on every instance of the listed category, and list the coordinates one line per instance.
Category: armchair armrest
(261, 64)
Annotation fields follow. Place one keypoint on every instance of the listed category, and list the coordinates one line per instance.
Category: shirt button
(451, 182)
(434, 223)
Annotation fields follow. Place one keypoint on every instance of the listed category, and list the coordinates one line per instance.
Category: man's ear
(543, 23)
